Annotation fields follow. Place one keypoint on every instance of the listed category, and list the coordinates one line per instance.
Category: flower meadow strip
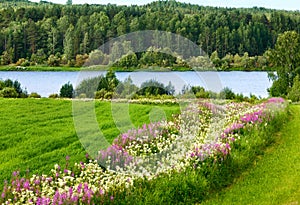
(202, 131)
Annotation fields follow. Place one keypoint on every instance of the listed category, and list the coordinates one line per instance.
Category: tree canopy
(286, 57)
(44, 32)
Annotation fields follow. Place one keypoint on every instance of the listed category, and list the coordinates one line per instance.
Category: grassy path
(273, 179)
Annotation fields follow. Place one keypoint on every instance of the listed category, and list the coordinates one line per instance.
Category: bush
(109, 95)
(82, 95)
(34, 95)
(15, 85)
(55, 95)
(53, 60)
(8, 92)
(67, 91)
(22, 62)
(227, 94)
(100, 94)
(294, 94)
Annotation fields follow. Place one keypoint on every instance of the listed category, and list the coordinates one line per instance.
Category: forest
(53, 34)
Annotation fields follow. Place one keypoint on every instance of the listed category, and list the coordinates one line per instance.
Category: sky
(274, 4)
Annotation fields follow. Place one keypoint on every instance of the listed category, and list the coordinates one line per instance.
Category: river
(46, 83)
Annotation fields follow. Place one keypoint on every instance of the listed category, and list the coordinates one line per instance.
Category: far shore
(122, 69)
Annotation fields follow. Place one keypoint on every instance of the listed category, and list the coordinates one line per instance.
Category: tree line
(53, 34)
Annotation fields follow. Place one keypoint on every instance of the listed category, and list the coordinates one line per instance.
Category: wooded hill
(44, 33)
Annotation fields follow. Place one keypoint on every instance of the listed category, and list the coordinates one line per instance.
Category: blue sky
(275, 4)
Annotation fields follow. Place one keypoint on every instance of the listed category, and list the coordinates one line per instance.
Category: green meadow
(36, 134)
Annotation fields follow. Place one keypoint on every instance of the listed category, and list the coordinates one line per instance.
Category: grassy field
(35, 134)
(274, 178)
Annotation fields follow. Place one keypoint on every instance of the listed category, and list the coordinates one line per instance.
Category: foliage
(153, 87)
(8, 92)
(227, 93)
(294, 93)
(40, 31)
(126, 89)
(109, 82)
(88, 87)
(108, 86)
(66, 91)
(54, 95)
(34, 95)
(12, 89)
(53, 60)
(286, 57)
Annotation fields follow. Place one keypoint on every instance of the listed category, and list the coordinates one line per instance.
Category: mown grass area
(274, 177)
(35, 134)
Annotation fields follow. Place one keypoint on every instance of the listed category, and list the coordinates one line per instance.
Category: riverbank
(123, 69)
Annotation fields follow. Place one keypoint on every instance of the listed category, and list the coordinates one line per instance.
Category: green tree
(69, 43)
(286, 57)
(294, 93)
(66, 91)
(215, 59)
(129, 60)
(109, 82)
(153, 87)
(8, 56)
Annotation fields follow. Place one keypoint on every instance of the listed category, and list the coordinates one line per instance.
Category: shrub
(16, 85)
(81, 60)
(227, 93)
(34, 95)
(82, 95)
(100, 94)
(53, 60)
(22, 62)
(109, 95)
(8, 92)
(55, 95)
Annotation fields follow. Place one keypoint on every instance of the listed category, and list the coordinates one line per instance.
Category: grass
(274, 178)
(35, 134)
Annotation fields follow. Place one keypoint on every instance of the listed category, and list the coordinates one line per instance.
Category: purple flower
(26, 185)
(16, 173)
(79, 188)
(37, 182)
(101, 192)
(276, 100)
